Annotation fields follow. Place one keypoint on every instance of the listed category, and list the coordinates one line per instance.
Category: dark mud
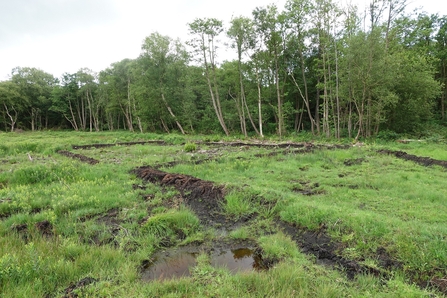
(107, 236)
(287, 145)
(96, 146)
(45, 228)
(439, 283)
(205, 198)
(425, 161)
(301, 148)
(202, 196)
(20, 228)
(171, 164)
(80, 157)
(113, 227)
(326, 252)
(356, 161)
(70, 292)
(307, 188)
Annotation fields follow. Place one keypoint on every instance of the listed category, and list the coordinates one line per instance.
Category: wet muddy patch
(177, 263)
(80, 157)
(425, 161)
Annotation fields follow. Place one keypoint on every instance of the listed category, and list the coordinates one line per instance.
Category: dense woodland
(311, 66)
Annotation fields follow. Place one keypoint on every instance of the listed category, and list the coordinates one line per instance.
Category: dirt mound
(20, 228)
(319, 244)
(202, 196)
(425, 161)
(351, 162)
(69, 291)
(288, 145)
(95, 146)
(299, 148)
(45, 228)
(205, 199)
(81, 157)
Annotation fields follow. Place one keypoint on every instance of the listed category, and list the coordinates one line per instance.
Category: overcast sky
(60, 36)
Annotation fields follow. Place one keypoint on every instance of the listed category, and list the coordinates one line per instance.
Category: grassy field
(332, 221)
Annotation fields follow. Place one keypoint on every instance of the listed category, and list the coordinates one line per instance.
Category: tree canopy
(313, 66)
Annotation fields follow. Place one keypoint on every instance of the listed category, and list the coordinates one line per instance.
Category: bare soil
(425, 161)
(45, 228)
(205, 199)
(81, 157)
(69, 292)
(96, 146)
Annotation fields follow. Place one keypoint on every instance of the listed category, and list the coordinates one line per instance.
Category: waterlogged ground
(131, 215)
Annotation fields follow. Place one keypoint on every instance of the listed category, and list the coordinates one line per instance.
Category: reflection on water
(170, 267)
(178, 265)
(237, 260)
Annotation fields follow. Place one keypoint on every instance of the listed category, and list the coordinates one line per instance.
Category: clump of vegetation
(182, 222)
(190, 147)
(237, 204)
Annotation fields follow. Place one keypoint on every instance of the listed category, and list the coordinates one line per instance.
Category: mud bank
(425, 161)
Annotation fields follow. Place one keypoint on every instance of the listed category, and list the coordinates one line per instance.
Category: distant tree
(162, 66)
(11, 103)
(204, 43)
(35, 87)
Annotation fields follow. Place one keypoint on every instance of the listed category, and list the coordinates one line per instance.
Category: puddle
(169, 267)
(237, 260)
(179, 264)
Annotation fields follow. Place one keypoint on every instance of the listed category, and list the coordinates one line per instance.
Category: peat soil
(80, 157)
(70, 292)
(202, 196)
(262, 144)
(425, 161)
(205, 199)
(95, 146)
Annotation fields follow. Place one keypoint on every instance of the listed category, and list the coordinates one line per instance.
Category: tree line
(313, 66)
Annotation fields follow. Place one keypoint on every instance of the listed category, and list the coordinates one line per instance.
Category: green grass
(103, 227)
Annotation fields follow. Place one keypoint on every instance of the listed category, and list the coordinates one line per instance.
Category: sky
(59, 36)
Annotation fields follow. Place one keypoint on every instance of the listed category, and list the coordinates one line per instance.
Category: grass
(104, 227)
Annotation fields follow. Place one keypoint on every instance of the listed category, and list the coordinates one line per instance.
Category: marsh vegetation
(311, 218)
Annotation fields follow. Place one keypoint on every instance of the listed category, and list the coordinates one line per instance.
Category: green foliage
(190, 147)
(279, 246)
(43, 174)
(237, 204)
(387, 135)
(105, 222)
(171, 223)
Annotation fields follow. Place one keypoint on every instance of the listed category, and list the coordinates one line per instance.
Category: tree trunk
(172, 114)
(13, 118)
(259, 103)
(89, 104)
(278, 95)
